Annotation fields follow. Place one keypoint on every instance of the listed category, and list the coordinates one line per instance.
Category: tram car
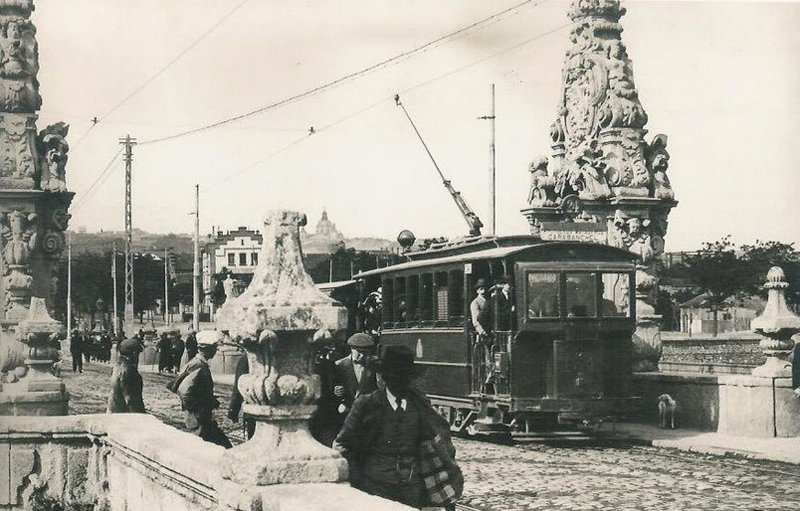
(561, 355)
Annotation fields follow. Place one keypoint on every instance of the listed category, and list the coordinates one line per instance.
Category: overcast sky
(721, 79)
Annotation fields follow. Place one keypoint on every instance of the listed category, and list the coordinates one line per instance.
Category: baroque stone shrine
(33, 198)
(604, 182)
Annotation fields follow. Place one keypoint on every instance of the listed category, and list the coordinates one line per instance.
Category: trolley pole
(196, 266)
(492, 172)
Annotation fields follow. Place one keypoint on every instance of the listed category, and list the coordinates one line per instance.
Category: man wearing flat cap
(196, 389)
(126, 382)
(384, 430)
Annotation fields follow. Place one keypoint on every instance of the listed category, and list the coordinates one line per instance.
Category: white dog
(666, 411)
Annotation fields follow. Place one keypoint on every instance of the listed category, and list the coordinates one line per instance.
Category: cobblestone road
(529, 476)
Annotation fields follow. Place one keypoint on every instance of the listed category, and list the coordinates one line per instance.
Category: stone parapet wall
(738, 405)
(132, 462)
(713, 350)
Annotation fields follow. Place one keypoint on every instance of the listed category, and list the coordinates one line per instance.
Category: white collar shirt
(393, 401)
(359, 370)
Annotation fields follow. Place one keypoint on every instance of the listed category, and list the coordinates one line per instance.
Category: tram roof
(489, 253)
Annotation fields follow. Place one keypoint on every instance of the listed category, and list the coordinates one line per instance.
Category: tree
(763, 255)
(717, 271)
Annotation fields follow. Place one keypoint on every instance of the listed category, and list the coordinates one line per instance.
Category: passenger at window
(504, 305)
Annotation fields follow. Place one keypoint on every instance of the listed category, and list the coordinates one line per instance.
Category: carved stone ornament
(278, 320)
(18, 236)
(53, 149)
(19, 58)
(17, 149)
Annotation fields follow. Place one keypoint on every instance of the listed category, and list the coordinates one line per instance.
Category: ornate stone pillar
(603, 179)
(279, 319)
(777, 324)
(34, 200)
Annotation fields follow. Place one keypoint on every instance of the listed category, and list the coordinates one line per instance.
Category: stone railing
(134, 462)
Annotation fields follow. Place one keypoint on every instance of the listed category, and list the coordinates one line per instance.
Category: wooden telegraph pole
(492, 173)
(196, 266)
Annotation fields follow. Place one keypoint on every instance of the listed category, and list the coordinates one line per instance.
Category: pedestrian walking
(76, 350)
(195, 387)
(176, 351)
(191, 345)
(396, 445)
(164, 353)
(126, 382)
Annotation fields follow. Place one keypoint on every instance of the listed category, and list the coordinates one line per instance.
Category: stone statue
(19, 61)
(542, 185)
(657, 159)
(53, 149)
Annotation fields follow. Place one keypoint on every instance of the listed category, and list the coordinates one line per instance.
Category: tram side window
(388, 300)
(457, 298)
(616, 301)
(442, 299)
(412, 298)
(581, 295)
(400, 305)
(543, 295)
(426, 298)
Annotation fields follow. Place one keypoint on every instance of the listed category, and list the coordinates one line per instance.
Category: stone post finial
(279, 320)
(777, 324)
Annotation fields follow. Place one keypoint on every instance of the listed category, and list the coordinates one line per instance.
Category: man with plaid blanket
(396, 445)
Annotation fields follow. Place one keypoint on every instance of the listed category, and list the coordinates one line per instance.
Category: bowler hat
(130, 347)
(360, 340)
(397, 361)
(480, 283)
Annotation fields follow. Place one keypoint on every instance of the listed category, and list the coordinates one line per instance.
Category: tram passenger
(504, 305)
(480, 313)
(387, 430)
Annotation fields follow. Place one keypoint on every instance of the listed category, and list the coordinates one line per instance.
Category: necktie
(399, 408)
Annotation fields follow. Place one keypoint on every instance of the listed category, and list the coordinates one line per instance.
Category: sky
(720, 79)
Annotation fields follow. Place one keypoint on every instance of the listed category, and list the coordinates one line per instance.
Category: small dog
(666, 411)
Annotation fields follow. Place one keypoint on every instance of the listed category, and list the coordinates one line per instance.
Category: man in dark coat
(351, 376)
(164, 353)
(504, 306)
(191, 345)
(176, 351)
(126, 382)
(382, 435)
(76, 350)
(196, 389)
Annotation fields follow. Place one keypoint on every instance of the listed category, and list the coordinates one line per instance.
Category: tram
(563, 360)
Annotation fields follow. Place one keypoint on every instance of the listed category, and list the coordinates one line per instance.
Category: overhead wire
(346, 78)
(98, 181)
(161, 71)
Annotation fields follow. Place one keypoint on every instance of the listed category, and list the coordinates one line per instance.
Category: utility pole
(196, 267)
(492, 173)
(114, 280)
(69, 288)
(166, 285)
(128, 142)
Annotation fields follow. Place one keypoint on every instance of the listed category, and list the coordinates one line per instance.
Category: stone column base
(282, 451)
(17, 402)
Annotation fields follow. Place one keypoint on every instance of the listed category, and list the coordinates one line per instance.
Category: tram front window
(581, 295)
(616, 295)
(542, 295)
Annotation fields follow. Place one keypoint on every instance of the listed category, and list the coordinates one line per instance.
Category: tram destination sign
(574, 231)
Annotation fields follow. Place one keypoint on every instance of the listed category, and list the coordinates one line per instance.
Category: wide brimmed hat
(397, 362)
(361, 340)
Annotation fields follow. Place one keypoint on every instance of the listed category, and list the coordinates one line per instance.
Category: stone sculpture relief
(53, 149)
(19, 63)
(18, 231)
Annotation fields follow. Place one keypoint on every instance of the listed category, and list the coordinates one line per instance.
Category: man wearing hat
(383, 433)
(481, 321)
(76, 350)
(351, 376)
(196, 389)
(504, 305)
(126, 382)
